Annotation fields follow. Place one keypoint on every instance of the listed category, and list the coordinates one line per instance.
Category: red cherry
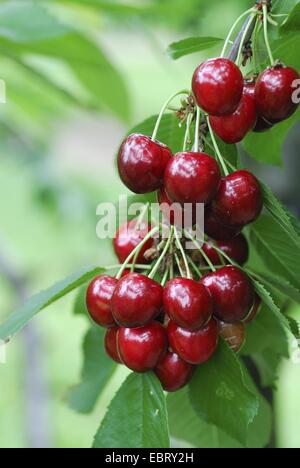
(128, 237)
(110, 344)
(237, 249)
(173, 372)
(255, 309)
(142, 163)
(98, 300)
(125, 273)
(232, 293)
(234, 334)
(262, 125)
(141, 349)
(274, 93)
(192, 178)
(239, 200)
(189, 305)
(218, 86)
(195, 347)
(234, 127)
(136, 300)
(174, 213)
(217, 230)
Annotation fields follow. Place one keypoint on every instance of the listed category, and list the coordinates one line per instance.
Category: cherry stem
(179, 266)
(142, 216)
(197, 130)
(165, 278)
(163, 110)
(163, 254)
(210, 264)
(265, 13)
(224, 255)
(187, 132)
(216, 147)
(246, 13)
(255, 44)
(186, 263)
(138, 267)
(243, 39)
(194, 266)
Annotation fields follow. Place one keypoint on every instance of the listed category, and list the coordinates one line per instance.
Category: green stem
(216, 148)
(187, 132)
(162, 256)
(255, 44)
(197, 130)
(244, 38)
(224, 255)
(179, 266)
(142, 216)
(194, 266)
(138, 267)
(164, 108)
(211, 266)
(165, 278)
(186, 263)
(246, 13)
(265, 12)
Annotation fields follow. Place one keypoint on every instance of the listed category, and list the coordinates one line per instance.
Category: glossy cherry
(98, 300)
(128, 237)
(174, 213)
(111, 345)
(192, 178)
(237, 249)
(142, 163)
(141, 349)
(173, 372)
(194, 347)
(136, 300)
(234, 334)
(262, 125)
(232, 293)
(255, 310)
(239, 200)
(274, 93)
(217, 230)
(188, 303)
(217, 86)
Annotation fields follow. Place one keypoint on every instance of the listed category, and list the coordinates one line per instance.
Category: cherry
(192, 178)
(142, 163)
(239, 200)
(232, 293)
(262, 125)
(175, 213)
(234, 334)
(255, 309)
(217, 86)
(217, 230)
(141, 349)
(194, 347)
(110, 343)
(234, 127)
(98, 300)
(173, 372)
(188, 303)
(274, 93)
(237, 249)
(128, 237)
(136, 300)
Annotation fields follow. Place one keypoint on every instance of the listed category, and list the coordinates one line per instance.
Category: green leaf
(295, 327)
(191, 45)
(280, 285)
(136, 417)
(268, 363)
(27, 311)
(80, 302)
(97, 370)
(292, 22)
(220, 395)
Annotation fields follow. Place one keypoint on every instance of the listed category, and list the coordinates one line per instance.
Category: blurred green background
(68, 106)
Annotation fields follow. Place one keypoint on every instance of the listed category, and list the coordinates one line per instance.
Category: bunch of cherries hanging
(168, 318)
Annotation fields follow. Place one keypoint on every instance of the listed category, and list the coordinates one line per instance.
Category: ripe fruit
(255, 310)
(98, 300)
(141, 349)
(192, 178)
(217, 230)
(130, 236)
(136, 300)
(142, 163)
(110, 343)
(194, 347)
(232, 293)
(188, 303)
(234, 334)
(262, 125)
(237, 249)
(218, 85)
(174, 213)
(173, 372)
(239, 200)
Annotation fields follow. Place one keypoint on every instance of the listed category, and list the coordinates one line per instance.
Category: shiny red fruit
(216, 230)
(142, 163)
(141, 349)
(274, 93)
(217, 86)
(98, 300)
(188, 303)
(111, 345)
(192, 178)
(232, 293)
(136, 300)
(237, 249)
(174, 213)
(234, 334)
(239, 200)
(128, 237)
(262, 126)
(255, 310)
(194, 347)
(173, 372)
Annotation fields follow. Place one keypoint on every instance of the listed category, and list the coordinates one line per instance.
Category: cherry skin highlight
(234, 334)
(98, 300)
(173, 372)
(237, 249)
(111, 345)
(128, 237)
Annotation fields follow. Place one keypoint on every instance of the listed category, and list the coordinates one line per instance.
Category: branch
(233, 53)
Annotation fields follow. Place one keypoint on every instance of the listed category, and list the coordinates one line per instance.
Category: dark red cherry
(173, 372)
(239, 200)
(98, 300)
(237, 249)
(255, 309)
(175, 213)
(189, 305)
(142, 163)
(217, 230)
(274, 93)
(194, 347)
(232, 293)
(141, 349)
(234, 334)
(217, 86)
(192, 178)
(136, 300)
(262, 125)
(111, 345)
(128, 237)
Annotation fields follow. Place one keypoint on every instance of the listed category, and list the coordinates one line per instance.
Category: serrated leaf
(136, 417)
(27, 311)
(80, 301)
(280, 285)
(295, 327)
(220, 395)
(292, 22)
(192, 45)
